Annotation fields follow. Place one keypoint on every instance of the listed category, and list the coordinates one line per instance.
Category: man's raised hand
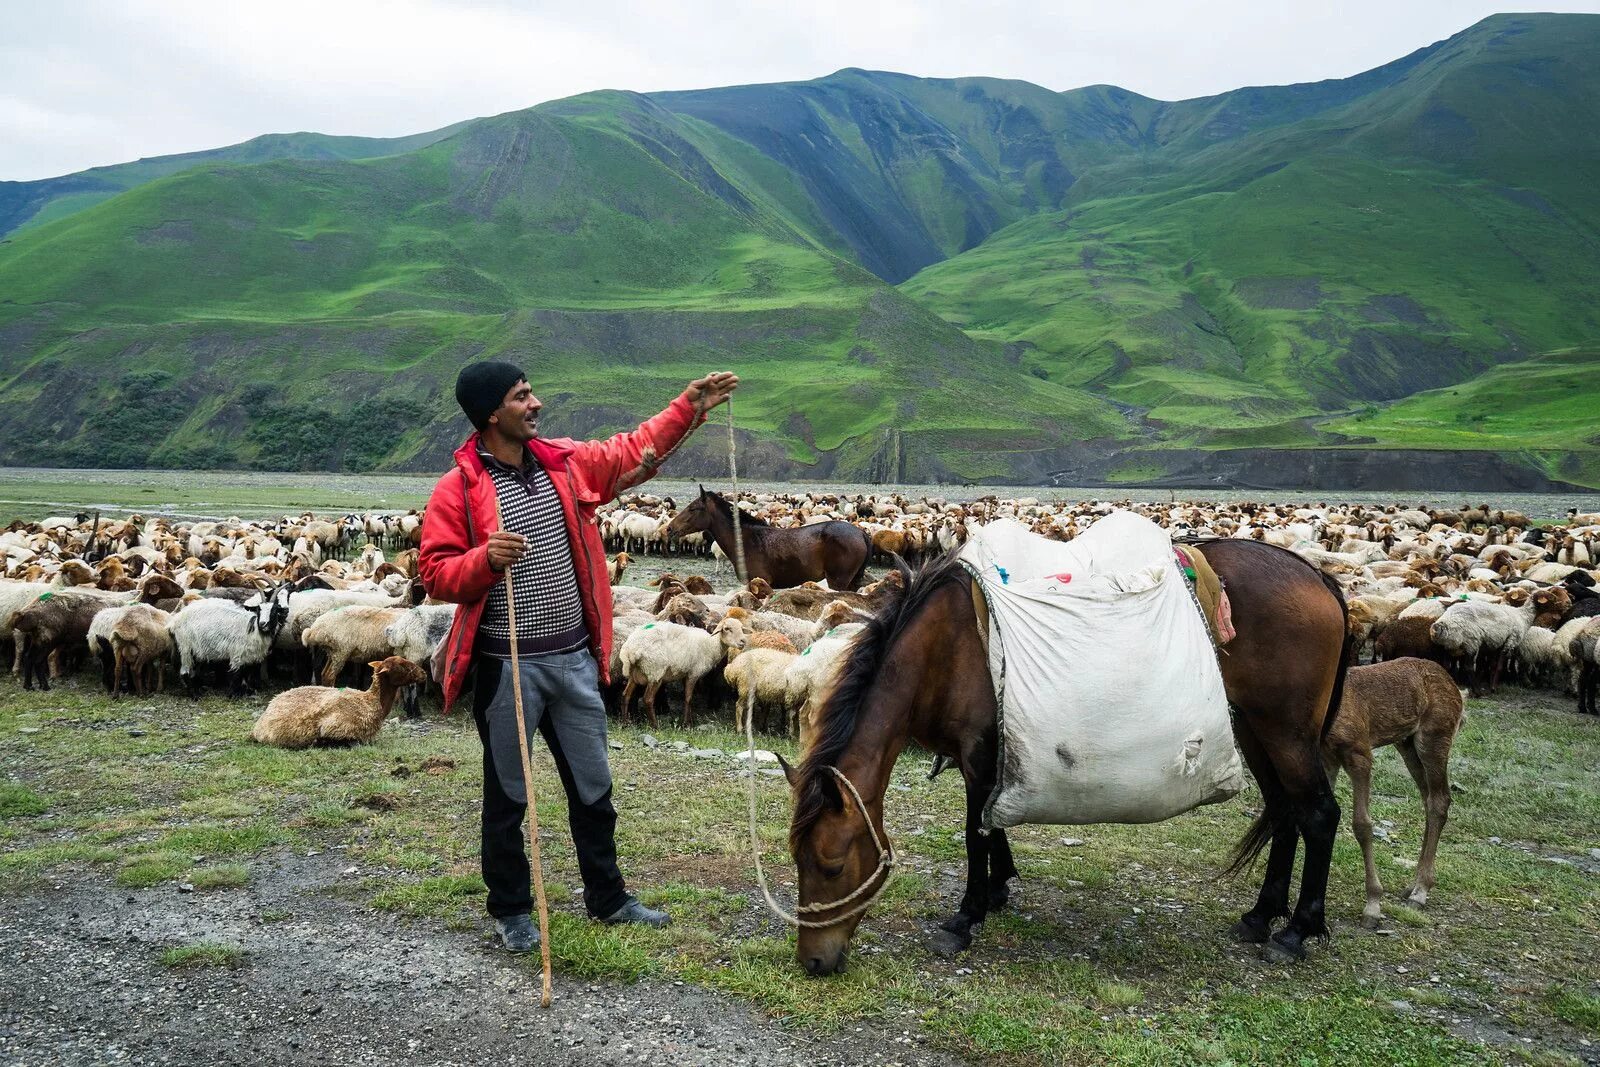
(706, 393)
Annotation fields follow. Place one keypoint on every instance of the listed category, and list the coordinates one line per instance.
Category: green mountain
(1370, 279)
(24, 204)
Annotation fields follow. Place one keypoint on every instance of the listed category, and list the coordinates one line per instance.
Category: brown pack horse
(918, 672)
(836, 551)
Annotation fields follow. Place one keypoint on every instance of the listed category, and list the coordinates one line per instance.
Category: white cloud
(86, 82)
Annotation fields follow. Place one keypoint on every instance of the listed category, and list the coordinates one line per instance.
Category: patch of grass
(202, 954)
(591, 950)
(152, 868)
(220, 876)
(330, 813)
(1117, 995)
(218, 840)
(276, 915)
(18, 800)
(443, 895)
(1580, 1009)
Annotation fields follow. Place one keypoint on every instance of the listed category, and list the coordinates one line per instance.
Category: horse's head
(838, 855)
(696, 518)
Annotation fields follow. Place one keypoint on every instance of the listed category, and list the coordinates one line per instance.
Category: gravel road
(325, 980)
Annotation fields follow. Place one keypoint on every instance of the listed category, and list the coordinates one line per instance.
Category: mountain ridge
(1107, 283)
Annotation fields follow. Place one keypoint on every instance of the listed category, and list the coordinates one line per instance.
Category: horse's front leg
(955, 933)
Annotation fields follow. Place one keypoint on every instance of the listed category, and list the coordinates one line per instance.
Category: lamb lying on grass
(321, 715)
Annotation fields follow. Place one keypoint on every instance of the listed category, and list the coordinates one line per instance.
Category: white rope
(887, 860)
(739, 569)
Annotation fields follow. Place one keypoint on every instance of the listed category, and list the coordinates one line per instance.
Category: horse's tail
(1346, 655)
(1257, 837)
(861, 571)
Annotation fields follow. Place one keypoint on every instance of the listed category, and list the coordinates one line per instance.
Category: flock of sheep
(1485, 592)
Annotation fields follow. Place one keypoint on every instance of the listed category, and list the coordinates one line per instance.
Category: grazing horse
(836, 550)
(918, 671)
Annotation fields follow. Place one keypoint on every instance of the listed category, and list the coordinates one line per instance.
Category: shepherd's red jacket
(586, 474)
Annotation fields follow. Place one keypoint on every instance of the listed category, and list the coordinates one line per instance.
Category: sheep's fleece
(1112, 704)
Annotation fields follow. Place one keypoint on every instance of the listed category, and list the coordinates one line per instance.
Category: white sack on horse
(1112, 707)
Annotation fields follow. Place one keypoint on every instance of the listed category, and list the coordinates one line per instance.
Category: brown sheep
(617, 565)
(686, 609)
(1550, 606)
(838, 613)
(320, 715)
(56, 621)
(737, 635)
(140, 644)
(407, 562)
(1414, 705)
(1409, 637)
(113, 576)
(671, 586)
(753, 595)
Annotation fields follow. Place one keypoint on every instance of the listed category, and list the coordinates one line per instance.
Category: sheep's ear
(788, 771)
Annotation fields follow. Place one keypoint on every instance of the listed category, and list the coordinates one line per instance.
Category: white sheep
(417, 635)
(622, 626)
(1428, 608)
(660, 652)
(354, 632)
(624, 597)
(797, 630)
(760, 677)
(1474, 630)
(809, 678)
(1545, 657)
(219, 631)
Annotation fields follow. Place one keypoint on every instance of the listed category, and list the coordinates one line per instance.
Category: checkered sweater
(549, 613)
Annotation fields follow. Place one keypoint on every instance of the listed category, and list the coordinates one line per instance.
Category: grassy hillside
(1090, 282)
(24, 204)
(1415, 237)
(305, 314)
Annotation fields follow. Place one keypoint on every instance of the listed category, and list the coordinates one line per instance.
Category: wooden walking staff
(527, 778)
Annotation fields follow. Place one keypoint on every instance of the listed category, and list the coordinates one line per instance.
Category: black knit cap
(482, 387)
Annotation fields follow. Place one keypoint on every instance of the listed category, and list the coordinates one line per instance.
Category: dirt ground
(325, 980)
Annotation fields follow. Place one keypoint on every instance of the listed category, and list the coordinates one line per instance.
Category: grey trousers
(565, 687)
(561, 697)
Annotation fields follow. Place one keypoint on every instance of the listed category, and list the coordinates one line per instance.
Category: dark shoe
(517, 933)
(635, 912)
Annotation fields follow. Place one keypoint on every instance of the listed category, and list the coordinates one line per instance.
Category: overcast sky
(84, 83)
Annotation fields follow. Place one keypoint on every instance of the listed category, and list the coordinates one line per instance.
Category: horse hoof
(1371, 922)
(999, 897)
(949, 943)
(1279, 950)
(1251, 931)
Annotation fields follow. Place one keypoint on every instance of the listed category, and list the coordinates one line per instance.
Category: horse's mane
(745, 518)
(839, 715)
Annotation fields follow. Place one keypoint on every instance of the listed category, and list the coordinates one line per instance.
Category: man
(548, 492)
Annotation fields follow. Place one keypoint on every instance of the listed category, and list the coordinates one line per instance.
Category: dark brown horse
(836, 551)
(918, 672)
